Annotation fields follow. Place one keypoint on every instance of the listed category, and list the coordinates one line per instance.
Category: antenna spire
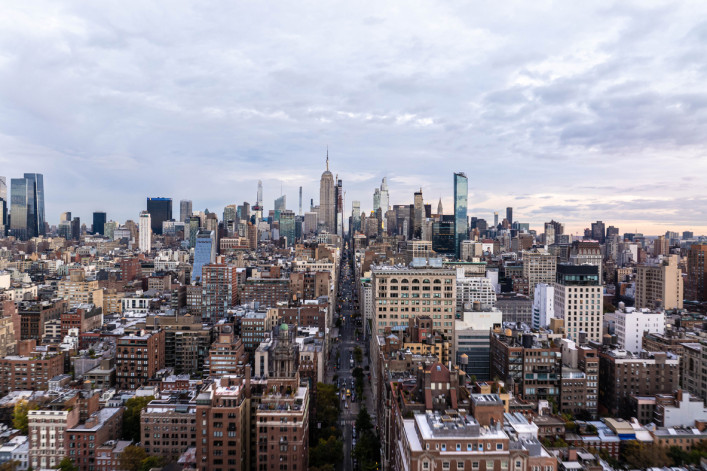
(327, 158)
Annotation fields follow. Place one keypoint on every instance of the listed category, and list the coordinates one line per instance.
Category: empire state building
(327, 200)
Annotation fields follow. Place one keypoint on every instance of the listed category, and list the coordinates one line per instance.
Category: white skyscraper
(145, 228)
(327, 199)
(384, 196)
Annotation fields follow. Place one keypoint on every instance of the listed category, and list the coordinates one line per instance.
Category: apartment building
(138, 358)
(659, 284)
(578, 300)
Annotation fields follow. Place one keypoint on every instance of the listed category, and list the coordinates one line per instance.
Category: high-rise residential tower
(461, 225)
(185, 207)
(160, 210)
(509, 215)
(418, 215)
(384, 196)
(145, 228)
(300, 201)
(260, 194)
(327, 201)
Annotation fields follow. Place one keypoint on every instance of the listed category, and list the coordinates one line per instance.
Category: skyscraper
(3, 205)
(598, 231)
(418, 215)
(145, 228)
(287, 226)
(99, 220)
(185, 207)
(355, 216)
(509, 215)
(384, 196)
(461, 193)
(300, 202)
(19, 210)
(204, 253)
(160, 210)
(339, 198)
(260, 195)
(376, 199)
(440, 210)
(327, 201)
(35, 223)
(281, 203)
(27, 206)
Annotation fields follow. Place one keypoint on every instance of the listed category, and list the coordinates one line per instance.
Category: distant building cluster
(488, 345)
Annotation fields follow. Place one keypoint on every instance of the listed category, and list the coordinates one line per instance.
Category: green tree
(327, 412)
(19, 415)
(131, 417)
(151, 462)
(132, 457)
(67, 465)
(326, 451)
(358, 355)
(363, 421)
(641, 456)
(9, 466)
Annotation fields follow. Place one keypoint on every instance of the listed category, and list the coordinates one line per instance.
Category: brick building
(100, 427)
(622, 374)
(29, 372)
(138, 358)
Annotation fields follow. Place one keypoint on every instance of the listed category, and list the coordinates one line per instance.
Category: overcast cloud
(575, 111)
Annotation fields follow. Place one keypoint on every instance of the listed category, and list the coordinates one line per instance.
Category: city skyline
(554, 110)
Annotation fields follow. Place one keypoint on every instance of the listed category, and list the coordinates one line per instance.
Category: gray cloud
(598, 105)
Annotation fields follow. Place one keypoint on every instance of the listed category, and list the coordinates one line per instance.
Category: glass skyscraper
(204, 253)
(160, 210)
(35, 192)
(19, 210)
(99, 221)
(461, 225)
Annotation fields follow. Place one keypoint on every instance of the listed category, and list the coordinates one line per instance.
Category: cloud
(582, 111)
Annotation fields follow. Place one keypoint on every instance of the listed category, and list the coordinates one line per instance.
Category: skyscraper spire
(327, 158)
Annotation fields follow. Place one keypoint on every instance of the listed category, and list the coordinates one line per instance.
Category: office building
(160, 210)
(99, 221)
(288, 227)
(20, 200)
(355, 217)
(327, 200)
(418, 215)
(204, 253)
(578, 300)
(599, 231)
(461, 225)
(443, 236)
(659, 284)
(280, 204)
(401, 294)
(145, 232)
(472, 342)
(509, 215)
(185, 209)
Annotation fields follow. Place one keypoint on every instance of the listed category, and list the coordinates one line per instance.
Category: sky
(573, 111)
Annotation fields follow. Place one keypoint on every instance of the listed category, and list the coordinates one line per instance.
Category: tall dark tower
(160, 210)
(509, 215)
(99, 220)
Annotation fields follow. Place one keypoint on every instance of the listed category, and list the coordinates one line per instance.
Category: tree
(131, 417)
(363, 421)
(358, 354)
(326, 451)
(19, 415)
(151, 462)
(132, 457)
(640, 456)
(327, 412)
(9, 466)
(67, 465)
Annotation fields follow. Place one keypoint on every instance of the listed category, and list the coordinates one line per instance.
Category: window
(475, 465)
(460, 465)
(425, 465)
(499, 446)
(445, 465)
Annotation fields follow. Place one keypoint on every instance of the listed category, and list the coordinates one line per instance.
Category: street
(342, 362)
